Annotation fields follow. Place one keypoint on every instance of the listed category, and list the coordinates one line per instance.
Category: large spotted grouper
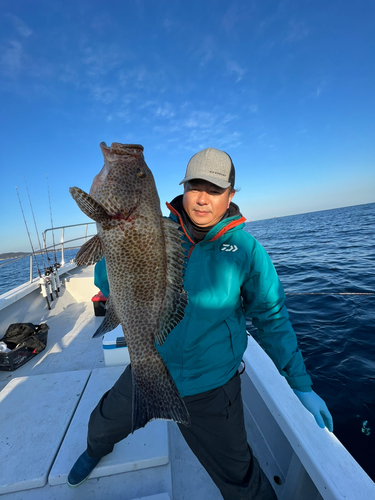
(144, 258)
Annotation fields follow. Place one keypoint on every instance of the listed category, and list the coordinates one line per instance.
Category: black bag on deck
(25, 341)
(17, 333)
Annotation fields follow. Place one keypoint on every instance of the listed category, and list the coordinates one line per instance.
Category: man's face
(204, 202)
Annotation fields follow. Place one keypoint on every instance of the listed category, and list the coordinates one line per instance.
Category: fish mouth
(117, 149)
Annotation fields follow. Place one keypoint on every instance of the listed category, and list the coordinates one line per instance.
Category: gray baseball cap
(211, 165)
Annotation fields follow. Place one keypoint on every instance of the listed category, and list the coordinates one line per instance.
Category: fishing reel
(48, 271)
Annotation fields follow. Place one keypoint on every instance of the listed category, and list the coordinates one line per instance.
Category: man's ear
(231, 197)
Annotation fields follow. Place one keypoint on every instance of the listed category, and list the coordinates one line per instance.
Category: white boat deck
(45, 406)
(45, 429)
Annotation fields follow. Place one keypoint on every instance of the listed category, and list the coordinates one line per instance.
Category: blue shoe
(81, 469)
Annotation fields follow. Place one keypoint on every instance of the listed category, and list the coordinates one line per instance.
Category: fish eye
(140, 173)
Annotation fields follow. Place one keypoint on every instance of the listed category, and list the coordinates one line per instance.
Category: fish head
(125, 183)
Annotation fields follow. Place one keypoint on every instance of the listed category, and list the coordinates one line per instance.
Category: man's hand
(317, 407)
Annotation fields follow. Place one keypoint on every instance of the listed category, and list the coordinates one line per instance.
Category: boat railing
(64, 242)
(57, 245)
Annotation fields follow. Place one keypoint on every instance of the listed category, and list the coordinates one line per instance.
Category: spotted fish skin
(144, 259)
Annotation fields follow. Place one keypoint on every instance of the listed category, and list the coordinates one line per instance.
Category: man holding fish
(183, 311)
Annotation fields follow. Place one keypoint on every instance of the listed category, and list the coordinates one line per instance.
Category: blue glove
(317, 407)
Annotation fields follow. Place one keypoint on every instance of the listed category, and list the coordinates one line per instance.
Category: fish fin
(88, 205)
(110, 320)
(90, 253)
(155, 395)
(172, 313)
(176, 298)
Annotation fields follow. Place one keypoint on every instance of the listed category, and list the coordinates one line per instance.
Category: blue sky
(287, 88)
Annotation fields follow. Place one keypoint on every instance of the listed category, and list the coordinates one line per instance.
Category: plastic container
(115, 350)
(99, 300)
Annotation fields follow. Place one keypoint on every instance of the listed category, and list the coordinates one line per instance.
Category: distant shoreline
(15, 255)
(12, 255)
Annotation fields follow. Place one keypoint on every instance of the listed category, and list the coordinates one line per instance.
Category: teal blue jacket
(229, 276)
(101, 278)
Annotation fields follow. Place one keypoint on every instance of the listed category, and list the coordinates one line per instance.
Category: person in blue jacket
(228, 277)
(100, 277)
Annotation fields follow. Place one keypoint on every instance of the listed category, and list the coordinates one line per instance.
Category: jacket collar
(232, 219)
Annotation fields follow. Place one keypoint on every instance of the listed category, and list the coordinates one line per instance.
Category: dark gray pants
(216, 436)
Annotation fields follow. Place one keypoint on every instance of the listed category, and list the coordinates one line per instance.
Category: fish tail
(155, 395)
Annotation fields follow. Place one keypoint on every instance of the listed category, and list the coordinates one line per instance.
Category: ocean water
(319, 257)
(15, 272)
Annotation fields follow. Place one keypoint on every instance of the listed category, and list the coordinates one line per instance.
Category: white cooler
(115, 350)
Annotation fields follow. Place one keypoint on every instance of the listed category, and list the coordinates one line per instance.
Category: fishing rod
(42, 281)
(57, 265)
(47, 270)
